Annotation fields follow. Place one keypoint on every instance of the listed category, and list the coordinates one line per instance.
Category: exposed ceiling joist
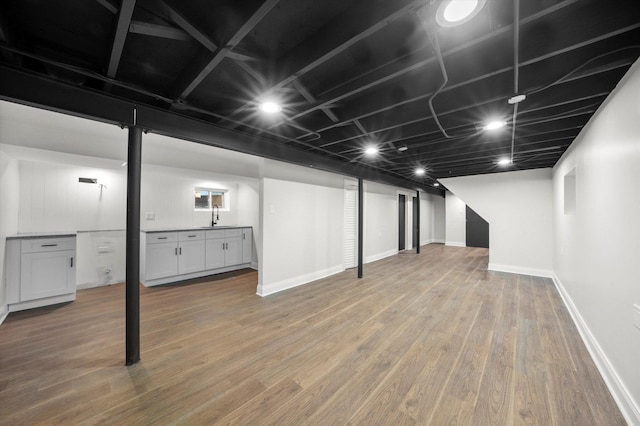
(342, 34)
(107, 5)
(156, 30)
(451, 87)
(310, 98)
(246, 67)
(385, 76)
(119, 36)
(195, 32)
(195, 73)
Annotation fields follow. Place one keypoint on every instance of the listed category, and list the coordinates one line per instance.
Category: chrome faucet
(215, 209)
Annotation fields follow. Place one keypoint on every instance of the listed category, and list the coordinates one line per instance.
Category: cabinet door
(233, 251)
(162, 260)
(47, 274)
(247, 245)
(214, 253)
(190, 256)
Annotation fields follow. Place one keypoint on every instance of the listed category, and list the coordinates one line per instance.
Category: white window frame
(225, 198)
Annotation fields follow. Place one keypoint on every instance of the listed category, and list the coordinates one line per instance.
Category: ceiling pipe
(516, 71)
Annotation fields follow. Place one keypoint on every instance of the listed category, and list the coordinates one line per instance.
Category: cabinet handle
(191, 236)
(71, 266)
(162, 238)
(244, 235)
(180, 251)
(48, 245)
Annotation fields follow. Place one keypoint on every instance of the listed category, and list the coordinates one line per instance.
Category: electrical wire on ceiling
(516, 72)
(432, 32)
(578, 68)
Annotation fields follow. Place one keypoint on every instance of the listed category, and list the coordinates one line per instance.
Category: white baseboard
(520, 270)
(4, 312)
(265, 290)
(431, 241)
(378, 256)
(629, 408)
(455, 244)
(254, 265)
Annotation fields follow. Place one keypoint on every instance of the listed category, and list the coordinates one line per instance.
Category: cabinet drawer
(216, 233)
(162, 237)
(48, 244)
(190, 235)
(233, 232)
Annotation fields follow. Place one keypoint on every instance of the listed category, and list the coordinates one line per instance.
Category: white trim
(378, 256)
(455, 244)
(520, 270)
(85, 286)
(431, 241)
(4, 313)
(37, 303)
(629, 408)
(254, 265)
(265, 290)
(191, 275)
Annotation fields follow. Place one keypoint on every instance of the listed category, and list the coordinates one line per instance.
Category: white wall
(455, 222)
(597, 248)
(426, 218)
(168, 193)
(517, 206)
(302, 234)
(249, 212)
(439, 219)
(432, 219)
(52, 199)
(9, 194)
(380, 237)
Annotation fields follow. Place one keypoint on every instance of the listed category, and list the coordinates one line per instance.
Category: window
(206, 198)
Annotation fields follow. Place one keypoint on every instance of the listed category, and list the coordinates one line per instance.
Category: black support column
(134, 162)
(418, 222)
(360, 224)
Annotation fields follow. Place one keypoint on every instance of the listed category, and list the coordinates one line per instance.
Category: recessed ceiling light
(452, 13)
(270, 107)
(372, 150)
(420, 171)
(494, 125)
(504, 162)
(436, 184)
(403, 148)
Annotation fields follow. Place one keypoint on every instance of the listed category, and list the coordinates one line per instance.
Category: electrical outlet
(636, 316)
(150, 216)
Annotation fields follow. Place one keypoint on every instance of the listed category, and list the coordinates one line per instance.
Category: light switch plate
(636, 316)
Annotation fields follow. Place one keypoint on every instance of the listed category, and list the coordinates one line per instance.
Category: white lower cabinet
(214, 253)
(224, 248)
(47, 274)
(174, 256)
(40, 271)
(161, 260)
(247, 245)
(190, 256)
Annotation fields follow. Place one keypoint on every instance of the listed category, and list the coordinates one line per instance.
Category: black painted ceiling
(349, 73)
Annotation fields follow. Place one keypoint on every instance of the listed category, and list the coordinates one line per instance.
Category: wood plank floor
(423, 339)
